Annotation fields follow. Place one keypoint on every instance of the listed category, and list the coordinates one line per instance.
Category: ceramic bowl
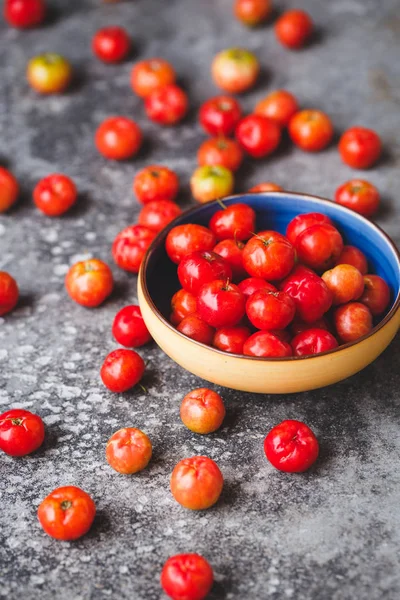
(158, 282)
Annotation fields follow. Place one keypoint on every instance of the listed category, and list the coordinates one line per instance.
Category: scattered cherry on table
(21, 432)
(67, 513)
(291, 446)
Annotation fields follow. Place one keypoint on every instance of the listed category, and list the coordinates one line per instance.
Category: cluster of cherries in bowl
(271, 295)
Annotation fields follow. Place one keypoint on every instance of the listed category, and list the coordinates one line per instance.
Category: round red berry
(21, 432)
(291, 446)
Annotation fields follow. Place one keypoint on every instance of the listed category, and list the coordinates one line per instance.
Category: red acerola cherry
(129, 328)
(196, 482)
(291, 446)
(24, 13)
(266, 345)
(111, 44)
(9, 293)
(259, 136)
(187, 576)
(360, 147)
(294, 28)
(21, 432)
(220, 303)
(310, 293)
(351, 255)
(232, 252)
(122, 370)
(130, 246)
(345, 282)
(376, 294)
(270, 310)
(197, 329)
(313, 341)
(319, 246)
(198, 268)
(231, 339)
(268, 255)
(352, 321)
(184, 239)
(253, 284)
(238, 222)
(183, 304)
(220, 115)
(158, 214)
(303, 222)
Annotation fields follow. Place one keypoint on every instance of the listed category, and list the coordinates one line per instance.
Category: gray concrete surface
(330, 534)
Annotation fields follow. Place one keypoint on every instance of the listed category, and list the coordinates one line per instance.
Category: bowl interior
(274, 211)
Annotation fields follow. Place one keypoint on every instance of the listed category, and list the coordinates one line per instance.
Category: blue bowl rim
(160, 238)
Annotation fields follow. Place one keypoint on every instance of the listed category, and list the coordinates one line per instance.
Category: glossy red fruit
(130, 246)
(184, 239)
(294, 28)
(24, 13)
(268, 255)
(9, 189)
(237, 221)
(196, 482)
(280, 106)
(270, 310)
(167, 105)
(128, 450)
(345, 282)
(231, 339)
(196, 329)
(360, 147)
(258, 135)
(202, 411)
(55, 194)
(303, 222)
(311, 130)
(89, 282)
(352, 321)
(220, 303)
(220, 151)
(9, 293)
(198, 268)
(67, 513)
(250, 285)
(187, 577)
(291, 446)
(313, 341)
(319, 246)
(155, 182)
(252, 12)
(183, 304)
(21, 432)
(268, 186)
(309, 292)
(118, 138)
(351, 255)
(265, 344)
(111, 44)
(220, 115)
(359, 195)
(129, 328)
(122, 370)
(151, 74)
(376, 294)
(158, 214)
(232, 252)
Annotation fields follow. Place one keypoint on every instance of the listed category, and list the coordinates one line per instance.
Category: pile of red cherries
(271, 295)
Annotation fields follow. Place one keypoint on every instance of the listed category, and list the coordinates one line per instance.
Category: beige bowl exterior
(263, 376)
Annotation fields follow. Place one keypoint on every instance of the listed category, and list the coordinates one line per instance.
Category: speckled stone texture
(330, 534)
